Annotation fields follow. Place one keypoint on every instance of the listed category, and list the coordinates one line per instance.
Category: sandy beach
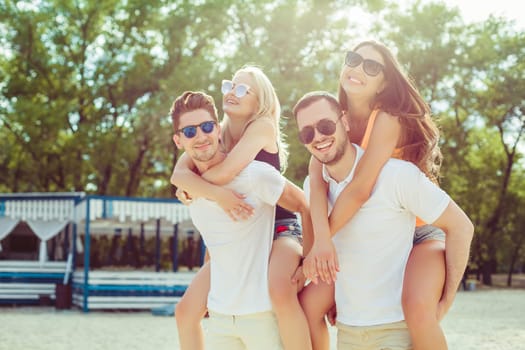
(483, 319)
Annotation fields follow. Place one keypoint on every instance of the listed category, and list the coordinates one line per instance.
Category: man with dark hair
(239, 303)
(373, 247)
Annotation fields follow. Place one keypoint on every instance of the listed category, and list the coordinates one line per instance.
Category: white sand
(481, 320)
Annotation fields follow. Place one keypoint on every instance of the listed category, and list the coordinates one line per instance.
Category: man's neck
(217, 158)
(340, 170)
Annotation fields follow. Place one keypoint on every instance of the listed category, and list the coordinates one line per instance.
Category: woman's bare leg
(422, 289)
(284, 260)
(316, 300)
(190, 310)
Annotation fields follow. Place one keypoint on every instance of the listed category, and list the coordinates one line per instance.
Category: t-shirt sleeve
(268, 183)
(420, 195)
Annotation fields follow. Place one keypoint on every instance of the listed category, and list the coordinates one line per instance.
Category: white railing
(22, 209)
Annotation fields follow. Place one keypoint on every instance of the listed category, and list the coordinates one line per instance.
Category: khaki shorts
(257, 331)
(390, 336)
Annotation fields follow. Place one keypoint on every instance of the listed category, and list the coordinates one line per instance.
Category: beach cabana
(26, 274)
(85, 216)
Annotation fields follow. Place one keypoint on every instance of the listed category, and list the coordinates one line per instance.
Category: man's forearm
(293, 199)
(459, 232)
(457, 247)
(308, 231)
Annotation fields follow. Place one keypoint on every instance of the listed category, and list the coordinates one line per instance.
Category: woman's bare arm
(384, 138)
(257, 136)
(323, 260)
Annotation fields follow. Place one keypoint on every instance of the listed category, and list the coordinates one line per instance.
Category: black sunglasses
(325, 126)
(371, 67)
(191, 130)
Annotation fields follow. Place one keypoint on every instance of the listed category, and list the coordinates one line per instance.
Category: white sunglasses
(239, 90)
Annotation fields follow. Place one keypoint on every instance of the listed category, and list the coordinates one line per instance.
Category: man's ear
(344, 120)
(219, 129)
(176, 140)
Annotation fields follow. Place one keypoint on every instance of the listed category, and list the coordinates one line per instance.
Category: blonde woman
(250, 131)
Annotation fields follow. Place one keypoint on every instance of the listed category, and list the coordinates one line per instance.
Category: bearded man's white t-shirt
(373, 247)
(240, 250)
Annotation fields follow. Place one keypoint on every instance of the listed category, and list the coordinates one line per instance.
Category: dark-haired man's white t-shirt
(240, 250)
(373, 247)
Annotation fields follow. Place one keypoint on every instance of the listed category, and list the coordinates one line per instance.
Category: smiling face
(203, 146)
(244, 107)
(328, 149)
(355, 81)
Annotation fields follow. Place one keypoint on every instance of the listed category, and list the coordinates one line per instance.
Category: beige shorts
(390, 336)
(257, 331)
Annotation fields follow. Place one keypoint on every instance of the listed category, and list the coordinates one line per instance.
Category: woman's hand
(234, 205)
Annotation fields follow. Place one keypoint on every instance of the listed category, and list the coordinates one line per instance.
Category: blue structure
(95, 289)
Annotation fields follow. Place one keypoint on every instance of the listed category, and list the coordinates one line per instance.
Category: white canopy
(46, 230)
(6, 226)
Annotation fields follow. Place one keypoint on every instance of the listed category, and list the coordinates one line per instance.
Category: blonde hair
(268, 107)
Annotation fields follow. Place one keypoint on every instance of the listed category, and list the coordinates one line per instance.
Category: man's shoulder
(394, 164)
(255, 172)
(257, 167)
(397, 171)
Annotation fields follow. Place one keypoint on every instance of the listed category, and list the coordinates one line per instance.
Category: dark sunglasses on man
(371, 67)
(239, 90)
(191, 130)
(325, 126)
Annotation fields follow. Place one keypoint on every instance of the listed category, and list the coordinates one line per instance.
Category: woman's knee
(419, 311)
(282, 291)
(182, 312)
(185, 312)
(312, 308)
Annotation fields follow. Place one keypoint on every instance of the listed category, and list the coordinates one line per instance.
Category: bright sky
(479, 10)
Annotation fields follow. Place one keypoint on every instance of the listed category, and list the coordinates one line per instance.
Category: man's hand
(299, 278)
(183, 196)
(321, 262)
(442, 308)
(331, 315)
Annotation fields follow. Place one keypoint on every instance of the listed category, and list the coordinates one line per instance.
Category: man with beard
(373, 247)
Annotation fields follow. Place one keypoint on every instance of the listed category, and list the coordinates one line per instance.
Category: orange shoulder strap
(369, 127)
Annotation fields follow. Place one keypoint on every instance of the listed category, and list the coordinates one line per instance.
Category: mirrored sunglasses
(371, 67)
(191, 130)
(326, 127)
(239, 90)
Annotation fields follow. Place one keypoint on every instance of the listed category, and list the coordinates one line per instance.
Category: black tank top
(273, 160)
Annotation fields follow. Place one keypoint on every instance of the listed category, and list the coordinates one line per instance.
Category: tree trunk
(134, 174)
(513, 259)
(486, 273)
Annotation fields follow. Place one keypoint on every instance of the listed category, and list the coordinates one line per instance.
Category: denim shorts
(422, 233)
(288, 228)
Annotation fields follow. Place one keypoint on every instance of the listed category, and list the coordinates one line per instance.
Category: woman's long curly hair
(400, 98)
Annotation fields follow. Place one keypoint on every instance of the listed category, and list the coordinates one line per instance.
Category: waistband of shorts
(256, 315)
(385, 326)
(287, 222)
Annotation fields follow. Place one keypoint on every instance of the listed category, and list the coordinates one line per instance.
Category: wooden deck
(129, 289)
(27, 282)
